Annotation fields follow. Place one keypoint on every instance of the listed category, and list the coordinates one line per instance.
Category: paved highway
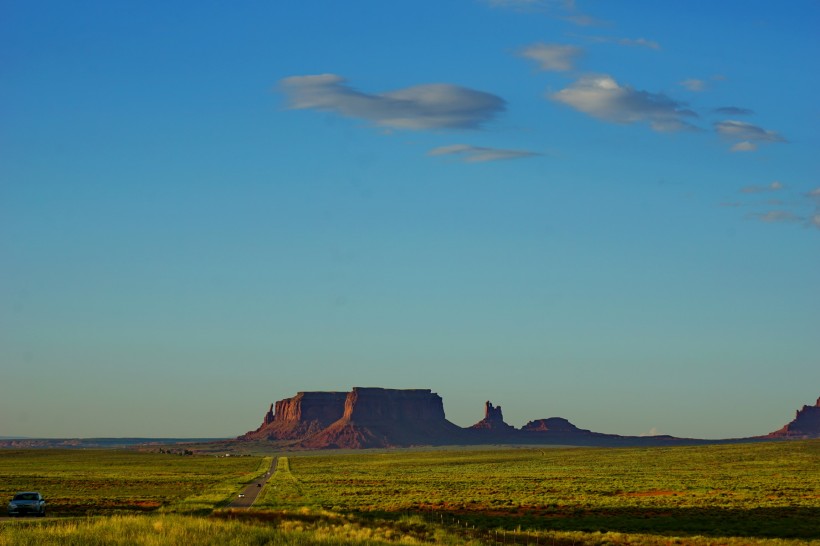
(248, 495)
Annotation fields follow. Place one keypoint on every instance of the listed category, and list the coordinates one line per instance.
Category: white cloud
(744, 146)
(693, 85)
(601, 97)
(774, 186)
(556, 57)
(814, 194)
(430, 106)
(479, 154)
(747, 133)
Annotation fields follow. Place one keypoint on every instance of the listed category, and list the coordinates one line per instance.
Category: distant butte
(493, 420)
(806, 424)
(377, 417)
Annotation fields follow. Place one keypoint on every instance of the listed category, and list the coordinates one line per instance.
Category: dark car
(27, 502)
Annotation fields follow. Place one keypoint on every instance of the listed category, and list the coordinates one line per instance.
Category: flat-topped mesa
(806, 424)
(299, 416)
(493, 420)
(375, 417)
(368, 405)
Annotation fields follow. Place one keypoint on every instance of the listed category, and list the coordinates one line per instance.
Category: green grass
(305, 527)
(748, 490)
(748, 494)
(87, 482)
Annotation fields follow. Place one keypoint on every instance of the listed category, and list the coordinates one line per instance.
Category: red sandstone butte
(493, 420)
(376, 417)
(298, 417)
(806, 424)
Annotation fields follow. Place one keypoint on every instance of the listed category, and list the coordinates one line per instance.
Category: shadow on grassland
(784, 522)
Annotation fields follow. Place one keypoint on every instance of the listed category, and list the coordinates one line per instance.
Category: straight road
(248, 495)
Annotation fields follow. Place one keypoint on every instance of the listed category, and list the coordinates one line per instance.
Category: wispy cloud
(747, 135)
(694, 85)
(776, 216)
(639, 42)
(480, 154)
(774, 186)
(583, 20)
(814, 219)
(560, 9)
(556, 57)
(790, 211)
(630, 42)
(430, 106)
(601, 97)
(733, 111)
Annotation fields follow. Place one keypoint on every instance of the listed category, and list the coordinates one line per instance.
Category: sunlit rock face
(295, 418)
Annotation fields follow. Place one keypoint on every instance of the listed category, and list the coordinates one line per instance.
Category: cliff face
(324, 407)
(376, 417)
(373, 405)
(300, 416)
(806, 424)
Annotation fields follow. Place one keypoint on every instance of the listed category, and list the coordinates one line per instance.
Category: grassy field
(747, 490)
(93, 482)
(762, 494)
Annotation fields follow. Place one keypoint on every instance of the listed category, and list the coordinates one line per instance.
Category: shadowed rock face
(493, 420)
(806, 424)
(376, 417)
(553, 424)
(372, 405)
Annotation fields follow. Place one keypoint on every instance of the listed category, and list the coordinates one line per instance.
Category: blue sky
(605, 211)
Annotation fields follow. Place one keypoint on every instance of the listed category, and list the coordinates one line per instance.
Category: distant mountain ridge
(101, 443)
(378, 417)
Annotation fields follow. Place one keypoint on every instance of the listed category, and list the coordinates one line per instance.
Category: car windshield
(26, 496)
